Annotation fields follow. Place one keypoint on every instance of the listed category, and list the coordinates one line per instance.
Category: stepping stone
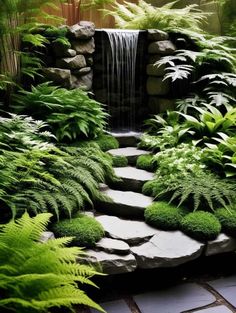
(46, 235)
(132, 232)
(132, 178)
(167, 249)
(124, 203)
(221, 244)
(113, 246)
(215, 309)
(130, 152)
(127, 139)
(226, 287)
(174, 300)
(118, 306)
(111, 263)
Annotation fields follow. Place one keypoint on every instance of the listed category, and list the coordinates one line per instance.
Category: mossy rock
(85, 230)
(227, 219)
(107, 142)
(164, 216)
(145, 162)
(119, 161)
(201, 225)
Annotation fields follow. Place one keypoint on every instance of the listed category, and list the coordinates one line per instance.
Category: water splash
(120, 67)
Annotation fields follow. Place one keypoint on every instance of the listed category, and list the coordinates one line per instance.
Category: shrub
(227, 219)
(144, 162)
(107, 142)
(39, 277)
(119, 161)
(201, 225)
(164, 216)
(85, 230)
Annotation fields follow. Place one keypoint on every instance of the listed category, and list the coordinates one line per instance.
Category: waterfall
(120, 67)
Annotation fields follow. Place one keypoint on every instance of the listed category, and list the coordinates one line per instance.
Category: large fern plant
(39, 277)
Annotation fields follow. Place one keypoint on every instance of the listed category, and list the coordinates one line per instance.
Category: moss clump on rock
(152, 188)
(201, 225)
(119, 161)
(227, 219)
(107, 142)
(85, 230)
(164, 216)
(144, 162)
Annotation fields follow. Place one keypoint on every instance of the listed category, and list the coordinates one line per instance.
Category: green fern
(38, 277)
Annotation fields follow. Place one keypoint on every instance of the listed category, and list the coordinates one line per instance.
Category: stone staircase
(130, 243)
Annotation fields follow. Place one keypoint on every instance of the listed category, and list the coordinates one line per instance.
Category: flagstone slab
(118, 306)
(226, 287)
(113, 246)
(132, 232)
(175, 299)
(131, 153)
(127, 139)
(221, 244)
(167, 249)
(215, 309)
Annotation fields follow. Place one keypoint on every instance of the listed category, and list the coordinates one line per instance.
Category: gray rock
(157, 87)
(118, 306)
(127, 139)
(226, 287)
(215, 309)
(111, 263)
(131, 153)
(82, 71)
(83, 30)
(154, 70)
(113, 246)
(58, 75)
(124, 203)
(46, 235)
(160, 105)
(132, 178)
(72, 63)
(84, 46)
(70, 53)
(175, 299)
(167, 249)
(132, 232)
(84, 82)
(221, 244)
(164, 47)
(157, 35)
(153, 58)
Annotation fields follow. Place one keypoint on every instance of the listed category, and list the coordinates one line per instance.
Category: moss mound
(164, 216)
(201, 225)
(107, 142)
(144, 162)
(85, 230)
(119, 161)
(227, 219)
(152, 188)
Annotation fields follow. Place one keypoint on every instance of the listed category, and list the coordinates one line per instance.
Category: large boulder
(73, 63)
(84, 46)
(83, 82)
(83, 30)
(58, 76)
(157, 87)
(164, 47)
(155, 70)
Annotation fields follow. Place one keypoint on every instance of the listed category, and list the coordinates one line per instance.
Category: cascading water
(121, 74)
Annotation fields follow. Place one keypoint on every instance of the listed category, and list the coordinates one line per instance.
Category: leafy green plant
(39, 277)
(107, 142)
(85, 230)
(70, 113)
(227, 218)
(164, 216)
(145, 162)
(201, 225)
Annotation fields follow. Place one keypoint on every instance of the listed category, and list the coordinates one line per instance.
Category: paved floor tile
(174, 300)
(215, 309)
(226, 287)
(118, 306)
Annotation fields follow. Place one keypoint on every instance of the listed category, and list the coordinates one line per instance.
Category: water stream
(121, 75)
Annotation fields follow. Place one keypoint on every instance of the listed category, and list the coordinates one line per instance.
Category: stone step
(132, 179)
(124, 203)
(131, 153)
(127, 139)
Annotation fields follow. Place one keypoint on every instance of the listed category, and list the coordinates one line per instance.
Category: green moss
(144, 162)
(164, 216)
(152, 188)
(119, 161)
(227, 219)
(55, 32)
(85, 230)
(107, 142)
(201, 225)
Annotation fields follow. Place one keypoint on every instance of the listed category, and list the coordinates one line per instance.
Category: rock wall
(69, 62)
